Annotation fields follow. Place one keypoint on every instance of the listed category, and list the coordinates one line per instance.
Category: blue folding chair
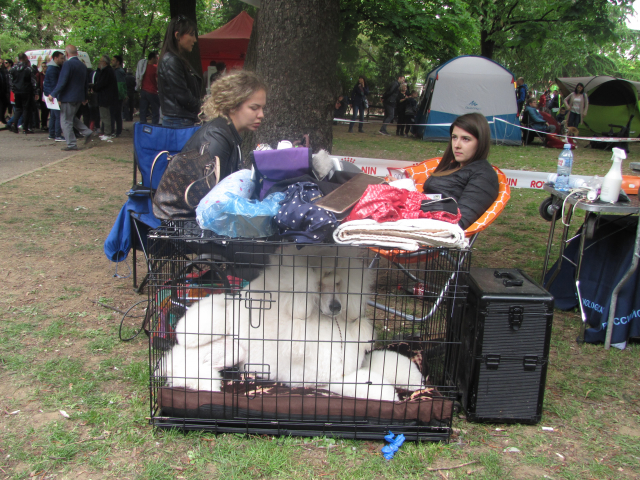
(136, 215)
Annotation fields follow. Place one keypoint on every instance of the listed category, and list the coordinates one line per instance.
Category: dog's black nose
(335, 306)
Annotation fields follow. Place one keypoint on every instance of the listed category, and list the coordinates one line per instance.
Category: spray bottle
(613, 180)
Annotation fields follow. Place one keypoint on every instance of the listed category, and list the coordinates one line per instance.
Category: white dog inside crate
(301, 322)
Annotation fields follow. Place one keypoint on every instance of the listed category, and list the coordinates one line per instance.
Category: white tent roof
(473, 84)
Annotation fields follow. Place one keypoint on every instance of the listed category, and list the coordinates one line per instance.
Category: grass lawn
(59, 352)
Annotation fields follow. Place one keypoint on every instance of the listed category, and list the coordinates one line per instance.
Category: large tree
(508, 24)
(294, 50)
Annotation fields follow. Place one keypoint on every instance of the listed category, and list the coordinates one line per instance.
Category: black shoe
(384, 133)
(14, 129)
(28, 132)
(69, 149)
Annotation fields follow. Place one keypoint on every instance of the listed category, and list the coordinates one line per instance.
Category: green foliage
(130, 28)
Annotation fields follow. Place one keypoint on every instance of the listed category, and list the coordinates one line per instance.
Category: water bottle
(565, 162)
(574, 182)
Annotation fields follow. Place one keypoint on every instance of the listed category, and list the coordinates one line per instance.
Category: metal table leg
(563, 242)
(552, 230)
(616, 290)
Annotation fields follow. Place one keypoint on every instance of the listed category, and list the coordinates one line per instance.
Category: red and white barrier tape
(380, 167)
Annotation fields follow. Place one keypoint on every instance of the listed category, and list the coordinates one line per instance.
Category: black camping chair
(529, 136)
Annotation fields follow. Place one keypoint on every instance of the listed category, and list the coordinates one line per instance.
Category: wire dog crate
(266, 337)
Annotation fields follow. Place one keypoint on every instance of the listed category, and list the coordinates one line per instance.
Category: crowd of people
(568, 112)
(48, 95)
(400, 104)
(65, 98)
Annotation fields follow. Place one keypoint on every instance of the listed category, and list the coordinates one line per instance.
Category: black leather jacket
(23, 80)
(224, 142)
(179, 88)
(475, 187)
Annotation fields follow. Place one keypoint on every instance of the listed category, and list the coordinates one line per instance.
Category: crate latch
(492, 361)
(530, 362)
(516, 315)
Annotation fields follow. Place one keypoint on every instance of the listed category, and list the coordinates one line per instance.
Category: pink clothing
(384, 203)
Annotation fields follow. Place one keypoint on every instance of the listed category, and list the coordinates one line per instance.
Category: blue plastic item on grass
(388, 451)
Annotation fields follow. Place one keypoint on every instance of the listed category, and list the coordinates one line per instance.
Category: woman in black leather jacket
(179, 85)
(464, 172)
(236, 105)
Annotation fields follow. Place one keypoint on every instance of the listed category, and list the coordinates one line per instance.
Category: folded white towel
(405, 234)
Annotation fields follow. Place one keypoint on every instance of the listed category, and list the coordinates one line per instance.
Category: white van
(36, 57)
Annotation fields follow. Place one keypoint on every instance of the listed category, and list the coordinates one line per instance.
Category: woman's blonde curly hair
(229, 92)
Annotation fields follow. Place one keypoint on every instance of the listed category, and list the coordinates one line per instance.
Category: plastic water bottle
(565, 162)
(574, 182)
(613, 180)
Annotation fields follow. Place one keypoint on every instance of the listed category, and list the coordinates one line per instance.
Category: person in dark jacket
(49, 84)
(236, 105)
(121, 79)
(179, 85)
(389, 98)
(25, 90)
(44, 111)
(410, 110)
(358, 98)
(521, 94)
(5, 89)
(537, 121)
(71, 91)
(131, 95)
(400, 108)
(106, 86)
(464, 172)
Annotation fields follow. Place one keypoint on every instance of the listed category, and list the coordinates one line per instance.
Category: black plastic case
(505, 347)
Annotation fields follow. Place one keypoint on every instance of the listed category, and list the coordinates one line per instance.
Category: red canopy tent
(228, 43)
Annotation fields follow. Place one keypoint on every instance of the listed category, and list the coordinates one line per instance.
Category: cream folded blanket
(405, 234)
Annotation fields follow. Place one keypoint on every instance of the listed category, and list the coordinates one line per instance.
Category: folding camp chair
(403, 260)
(136, 217)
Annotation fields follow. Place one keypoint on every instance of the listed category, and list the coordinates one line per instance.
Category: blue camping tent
(469, 84)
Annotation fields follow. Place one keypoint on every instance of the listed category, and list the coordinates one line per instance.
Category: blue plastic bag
(232, 215)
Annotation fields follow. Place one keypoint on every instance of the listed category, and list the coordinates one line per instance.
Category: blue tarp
(604, 262)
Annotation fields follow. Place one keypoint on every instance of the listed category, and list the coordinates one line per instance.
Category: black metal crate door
(268, 338)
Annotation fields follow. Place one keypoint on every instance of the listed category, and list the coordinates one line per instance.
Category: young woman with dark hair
(577, 105)
(464, 172)
(179, 85)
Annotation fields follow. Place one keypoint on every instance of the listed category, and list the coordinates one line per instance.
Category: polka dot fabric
(300, 219)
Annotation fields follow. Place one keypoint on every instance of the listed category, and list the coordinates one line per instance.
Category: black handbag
(188, 178)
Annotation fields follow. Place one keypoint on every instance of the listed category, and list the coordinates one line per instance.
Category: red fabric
(542, 101)
(40, 80)
(553, 141)
(384, 203)
(227, 44)
(150, 79)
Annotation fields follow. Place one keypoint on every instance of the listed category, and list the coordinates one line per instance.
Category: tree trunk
(486, 46)
(294, 47)
(188, 9)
